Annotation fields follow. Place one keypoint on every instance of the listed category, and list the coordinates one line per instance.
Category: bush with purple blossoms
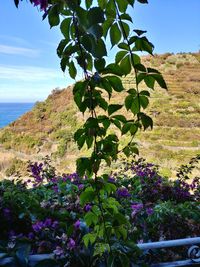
(57, 220)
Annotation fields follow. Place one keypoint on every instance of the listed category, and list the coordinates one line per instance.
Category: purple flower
(55, 224)
(37, 227)
(149, 211)
(80, 186)
(123, 192)
(111, 180)
(31, 235)
(58, 251)
(137, 206)
(47, 223)
(87, 207)
(55, 188)
(43, 4)
(77, 225)
(71, 244)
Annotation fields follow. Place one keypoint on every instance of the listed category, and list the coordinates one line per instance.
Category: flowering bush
(55, 215)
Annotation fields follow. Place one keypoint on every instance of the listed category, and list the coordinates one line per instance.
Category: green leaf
(146, 121)
(126, 28)
(83, 166)
(142, 44)
(16, 3)
(126, 65)
(72, 70)
(126, 128)
(117, 123)
(159, 79)
(139, 32)
(150, 81)
(132, 92)
(134, 129)
(81, 141)
(53, 16)
(102, 103)
(89, 239)
(106, 85)
(61, 47)
(116, 83)
(80, 87)
(102, 3)
(87, 196)
(96, 30)
(64, 27)
(145, 92)
(126, 17)
(99, 50)
(115, 34)
(123, 46)
(99, 64)
(87, 41)
(100, 249)
(91, 218)
(111, 10)
(88, 3)
(113, 68)
(81, 14)
(63, 63)
(144, 101)
(95, 16)
(120, 118)
(135, 107)
(128, 102)
(143, 1)
(113, 108)
(136, 62)
(122, 5)
(106, 26)
(120, 55)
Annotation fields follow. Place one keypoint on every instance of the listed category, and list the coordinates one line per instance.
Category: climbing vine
(88, 28)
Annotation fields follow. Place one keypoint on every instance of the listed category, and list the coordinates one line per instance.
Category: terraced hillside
(48, 128)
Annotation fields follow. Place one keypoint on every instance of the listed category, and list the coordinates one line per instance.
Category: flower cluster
(42, 3)
(48, 223)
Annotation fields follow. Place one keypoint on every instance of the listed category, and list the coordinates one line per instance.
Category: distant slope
(49, 127)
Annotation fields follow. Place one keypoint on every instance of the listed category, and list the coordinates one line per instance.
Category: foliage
(85, 28)
(58, 214)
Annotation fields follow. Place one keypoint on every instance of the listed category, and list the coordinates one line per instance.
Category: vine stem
(80, 47)
(130, 51)
(93, 115)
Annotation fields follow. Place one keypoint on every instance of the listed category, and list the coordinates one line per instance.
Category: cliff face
(48, 129)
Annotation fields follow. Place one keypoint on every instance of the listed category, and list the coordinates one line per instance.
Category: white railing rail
(193, 253)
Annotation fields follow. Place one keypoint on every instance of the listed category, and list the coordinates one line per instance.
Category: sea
(10, 112)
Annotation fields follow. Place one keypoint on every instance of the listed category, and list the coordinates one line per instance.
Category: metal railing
(193, 253)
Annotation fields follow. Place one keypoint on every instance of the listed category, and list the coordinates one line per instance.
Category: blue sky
(29, 66)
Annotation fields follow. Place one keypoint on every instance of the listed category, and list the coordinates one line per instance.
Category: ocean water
(9, 112)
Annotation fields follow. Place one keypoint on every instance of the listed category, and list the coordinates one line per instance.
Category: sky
(30, 68)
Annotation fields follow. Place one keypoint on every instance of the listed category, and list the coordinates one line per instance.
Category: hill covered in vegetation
(48, 129)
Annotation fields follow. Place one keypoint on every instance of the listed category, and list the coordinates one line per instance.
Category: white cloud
(29, 73)
(22, 51)
(15, 39)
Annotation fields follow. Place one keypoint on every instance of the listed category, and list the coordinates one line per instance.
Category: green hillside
(48, 129)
